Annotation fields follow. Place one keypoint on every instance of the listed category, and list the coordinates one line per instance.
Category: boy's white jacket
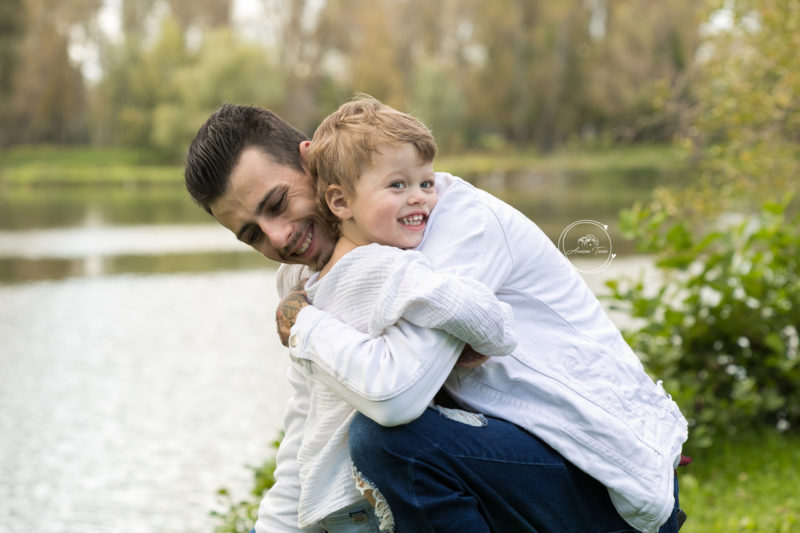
(372, 288)
(572, 380)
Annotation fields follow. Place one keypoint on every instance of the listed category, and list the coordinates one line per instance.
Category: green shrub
(240, 516)
(722, 329)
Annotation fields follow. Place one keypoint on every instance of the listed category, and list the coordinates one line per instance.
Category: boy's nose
(416, 196)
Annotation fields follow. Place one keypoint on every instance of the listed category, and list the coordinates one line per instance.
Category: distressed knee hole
(465, 417)
(376, 499)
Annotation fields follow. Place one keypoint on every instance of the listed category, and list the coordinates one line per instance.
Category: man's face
(271, 207)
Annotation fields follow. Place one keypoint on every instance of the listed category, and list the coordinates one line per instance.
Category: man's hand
(286, 315)
(469, 358)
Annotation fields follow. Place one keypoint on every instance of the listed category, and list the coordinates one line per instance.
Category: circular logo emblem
(589, 240)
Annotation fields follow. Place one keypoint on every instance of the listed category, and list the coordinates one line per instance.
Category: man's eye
(253, 236)
(277, 207)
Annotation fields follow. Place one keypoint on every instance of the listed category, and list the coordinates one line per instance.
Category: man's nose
(277, 232)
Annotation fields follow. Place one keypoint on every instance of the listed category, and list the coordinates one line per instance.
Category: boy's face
(393, 198)
(271, 207)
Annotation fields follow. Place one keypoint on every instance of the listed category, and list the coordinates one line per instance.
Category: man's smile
(303, 242)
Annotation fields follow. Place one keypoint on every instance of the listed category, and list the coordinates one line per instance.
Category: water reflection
(94, 250)
(16, 269)
(60, 233)
(27, 208)
(128, 400)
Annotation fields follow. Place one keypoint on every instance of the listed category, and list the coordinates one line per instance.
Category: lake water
(139, 366)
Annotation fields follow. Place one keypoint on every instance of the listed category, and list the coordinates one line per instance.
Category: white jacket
(572, 380)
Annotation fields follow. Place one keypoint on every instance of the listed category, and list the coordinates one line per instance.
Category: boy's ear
(338, 202)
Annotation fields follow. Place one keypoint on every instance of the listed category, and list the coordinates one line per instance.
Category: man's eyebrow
(259, 208)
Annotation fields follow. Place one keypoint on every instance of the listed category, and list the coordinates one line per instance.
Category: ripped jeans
(443, 474)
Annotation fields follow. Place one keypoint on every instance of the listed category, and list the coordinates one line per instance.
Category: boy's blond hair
(343, 145)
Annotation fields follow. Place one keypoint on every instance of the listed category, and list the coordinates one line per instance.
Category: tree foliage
(161, 92)
(723, 330)
(527, 73)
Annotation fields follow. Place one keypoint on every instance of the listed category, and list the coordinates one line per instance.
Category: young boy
(373, 171)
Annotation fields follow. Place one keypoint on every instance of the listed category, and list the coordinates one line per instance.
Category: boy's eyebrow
(259, 208)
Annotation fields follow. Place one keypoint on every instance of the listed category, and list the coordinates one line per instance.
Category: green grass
(53, 166)
(749, 483)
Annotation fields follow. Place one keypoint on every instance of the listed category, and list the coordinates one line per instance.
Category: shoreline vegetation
(746, 482)
(57, 166)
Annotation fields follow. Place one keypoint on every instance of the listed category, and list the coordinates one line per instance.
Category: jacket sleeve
(462, 307)
(278, 509)
(390, 379)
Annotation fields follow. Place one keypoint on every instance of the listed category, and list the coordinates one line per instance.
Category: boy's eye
(427, 184)
(397, 185)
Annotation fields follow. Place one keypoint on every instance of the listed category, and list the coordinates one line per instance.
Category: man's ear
(303, 148)
(338, 202)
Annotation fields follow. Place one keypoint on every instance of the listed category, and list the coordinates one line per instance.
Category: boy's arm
(278, 509)
(462, 307)
(390, 379)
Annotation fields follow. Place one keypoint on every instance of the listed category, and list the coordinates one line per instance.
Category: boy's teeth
(305, 245)
(414, 220)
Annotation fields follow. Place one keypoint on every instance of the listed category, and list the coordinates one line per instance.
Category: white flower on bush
(792, 341)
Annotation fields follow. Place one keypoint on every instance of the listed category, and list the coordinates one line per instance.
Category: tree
(723, 329)
(48, 101)
(640, 65)
(158, 95)
(12, 29)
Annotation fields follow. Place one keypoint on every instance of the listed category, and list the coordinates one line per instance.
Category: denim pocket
(353, 519)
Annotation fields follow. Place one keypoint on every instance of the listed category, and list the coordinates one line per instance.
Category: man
(573, 382)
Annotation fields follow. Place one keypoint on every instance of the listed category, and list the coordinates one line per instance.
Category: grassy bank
(745, 483)
(68, 166)
(610, 160)
(57, 166)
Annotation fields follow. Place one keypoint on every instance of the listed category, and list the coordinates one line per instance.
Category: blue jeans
(443, 475)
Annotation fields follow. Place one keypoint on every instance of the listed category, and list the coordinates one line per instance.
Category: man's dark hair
(220, 142)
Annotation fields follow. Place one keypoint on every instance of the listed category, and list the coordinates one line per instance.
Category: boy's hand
(469, 358)
(286, 315)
